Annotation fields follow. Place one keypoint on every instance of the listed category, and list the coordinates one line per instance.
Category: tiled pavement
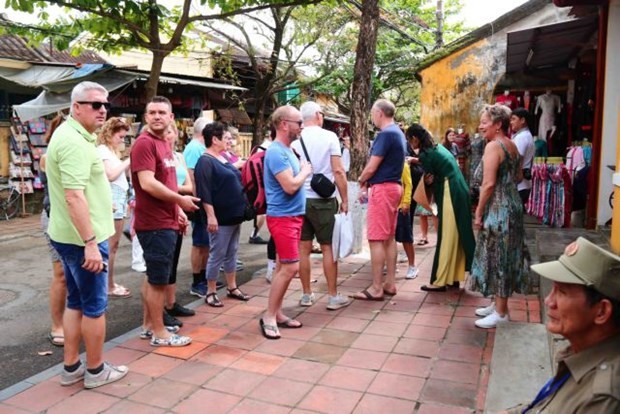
(416, 353)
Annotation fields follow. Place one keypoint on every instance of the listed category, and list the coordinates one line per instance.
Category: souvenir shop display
(508, 99)
(549, 105)
(551, 196)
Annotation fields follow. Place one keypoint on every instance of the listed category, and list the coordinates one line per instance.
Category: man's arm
(290, 183)
(157, 189)
(340, 177)
(371, 168)
(77, 206)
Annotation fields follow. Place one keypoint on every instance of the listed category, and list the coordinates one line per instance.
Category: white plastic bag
(346, 235)
(342, 238)
(336, 237)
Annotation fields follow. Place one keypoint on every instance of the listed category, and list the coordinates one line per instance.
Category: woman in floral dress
(498, 260)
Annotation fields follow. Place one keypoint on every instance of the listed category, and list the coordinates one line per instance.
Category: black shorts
(158, 246)
(404, 227)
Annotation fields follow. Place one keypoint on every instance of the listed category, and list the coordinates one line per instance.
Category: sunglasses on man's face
(96, 105)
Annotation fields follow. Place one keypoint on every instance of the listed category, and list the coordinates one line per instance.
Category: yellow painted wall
(455, 88)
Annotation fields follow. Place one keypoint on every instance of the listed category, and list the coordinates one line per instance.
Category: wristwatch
(93, 237)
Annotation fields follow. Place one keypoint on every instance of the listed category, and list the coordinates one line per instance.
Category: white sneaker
(337, 302)
(412, 272)
(307, 299)
(110, 373)
(491, 321)
(486, 311)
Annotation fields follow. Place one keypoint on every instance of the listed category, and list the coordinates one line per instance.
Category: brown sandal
(236, 293)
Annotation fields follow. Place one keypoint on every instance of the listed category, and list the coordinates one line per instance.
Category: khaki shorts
(319, 219)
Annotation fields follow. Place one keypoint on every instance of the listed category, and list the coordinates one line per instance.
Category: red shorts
(286, 233)
(383, 201)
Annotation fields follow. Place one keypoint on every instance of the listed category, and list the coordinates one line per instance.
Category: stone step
(520, 365)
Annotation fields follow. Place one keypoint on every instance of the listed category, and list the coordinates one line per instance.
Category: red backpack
(253, 181)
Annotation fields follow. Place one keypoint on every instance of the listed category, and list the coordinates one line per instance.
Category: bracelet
(93, 237)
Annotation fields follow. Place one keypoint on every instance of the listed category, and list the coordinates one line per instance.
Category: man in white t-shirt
(324, 154)
(522, 137)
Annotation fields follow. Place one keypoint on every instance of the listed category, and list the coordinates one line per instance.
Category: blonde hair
(498, 113)
(111, 127)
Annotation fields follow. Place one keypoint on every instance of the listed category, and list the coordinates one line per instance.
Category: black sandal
(214, 302)
(239, 295)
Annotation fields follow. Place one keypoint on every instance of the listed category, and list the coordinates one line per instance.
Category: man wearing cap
(584, 307)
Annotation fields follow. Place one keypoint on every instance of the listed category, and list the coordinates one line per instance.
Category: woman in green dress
(455, 237)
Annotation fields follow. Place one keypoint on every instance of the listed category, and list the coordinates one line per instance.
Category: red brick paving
(417, 352)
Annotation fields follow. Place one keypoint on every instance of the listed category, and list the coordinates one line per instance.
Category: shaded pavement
(418, 352)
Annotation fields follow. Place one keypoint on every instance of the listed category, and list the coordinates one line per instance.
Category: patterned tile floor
(415, 353)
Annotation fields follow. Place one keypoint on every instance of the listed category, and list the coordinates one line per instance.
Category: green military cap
(585, 263)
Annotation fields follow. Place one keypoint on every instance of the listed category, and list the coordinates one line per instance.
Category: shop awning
(550, 46)
(49, 101)
(195, 82)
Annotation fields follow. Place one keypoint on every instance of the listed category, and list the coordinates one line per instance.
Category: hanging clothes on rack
(551, 196)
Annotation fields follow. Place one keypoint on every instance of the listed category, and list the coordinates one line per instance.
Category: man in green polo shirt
(80, 224)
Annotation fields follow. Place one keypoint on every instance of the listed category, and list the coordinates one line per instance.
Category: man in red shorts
(286, 205)
(380, 182)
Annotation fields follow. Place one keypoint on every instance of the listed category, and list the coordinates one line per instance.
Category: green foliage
(406, 35)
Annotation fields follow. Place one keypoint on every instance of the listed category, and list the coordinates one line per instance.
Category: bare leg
(155, 304)
(410, 252)
(170, 295)
(424, 227)
(198, 257)
(281, 280)
(305, 267)
(436, 223)
(93, 332)
(72, 324)
(146, 322)
(390, 258)
(58, 297)
(377, 260)
(501, 305)
(330, 268)
(113, 246)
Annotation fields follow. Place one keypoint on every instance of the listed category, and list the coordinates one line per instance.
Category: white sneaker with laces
(492, 320)
(412, 272)
(337, 302)
(486, 311)
(110, 373)
(307, 299)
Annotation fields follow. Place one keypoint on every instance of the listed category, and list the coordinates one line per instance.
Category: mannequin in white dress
(550, 105)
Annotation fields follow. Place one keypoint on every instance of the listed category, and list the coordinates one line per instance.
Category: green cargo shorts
(319, 219)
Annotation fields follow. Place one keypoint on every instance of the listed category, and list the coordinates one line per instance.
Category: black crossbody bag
(320, 184)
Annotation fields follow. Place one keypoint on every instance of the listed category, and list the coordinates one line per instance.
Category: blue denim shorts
(200, 235)
(158, 247)
(86, 291)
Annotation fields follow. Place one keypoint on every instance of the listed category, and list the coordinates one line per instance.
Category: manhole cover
(7, 296)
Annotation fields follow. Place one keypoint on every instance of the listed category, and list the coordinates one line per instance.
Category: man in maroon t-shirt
(158, 217)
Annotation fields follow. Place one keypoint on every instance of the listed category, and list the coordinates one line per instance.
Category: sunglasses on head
(96, 105)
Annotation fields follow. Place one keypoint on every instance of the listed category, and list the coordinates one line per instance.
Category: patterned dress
(498, 267)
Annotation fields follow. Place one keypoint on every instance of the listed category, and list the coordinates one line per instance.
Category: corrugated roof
(17, 48)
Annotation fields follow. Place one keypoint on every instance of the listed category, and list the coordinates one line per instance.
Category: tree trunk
(364, 63)
(153, 82)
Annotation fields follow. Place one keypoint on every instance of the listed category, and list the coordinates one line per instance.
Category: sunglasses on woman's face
(96, 105)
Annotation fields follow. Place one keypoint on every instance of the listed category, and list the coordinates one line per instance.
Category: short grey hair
(80, 90)
(386, 107)
(199, 125)
(309, 110)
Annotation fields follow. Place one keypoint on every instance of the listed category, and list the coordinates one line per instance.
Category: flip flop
(422, 242)
(365, 295)
(56, 340)
(119, 292)
(433, 288)
(290, 323)
(264, 328)
(237, 294)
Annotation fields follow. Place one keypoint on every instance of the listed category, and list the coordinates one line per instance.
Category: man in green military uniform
(584, 307)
